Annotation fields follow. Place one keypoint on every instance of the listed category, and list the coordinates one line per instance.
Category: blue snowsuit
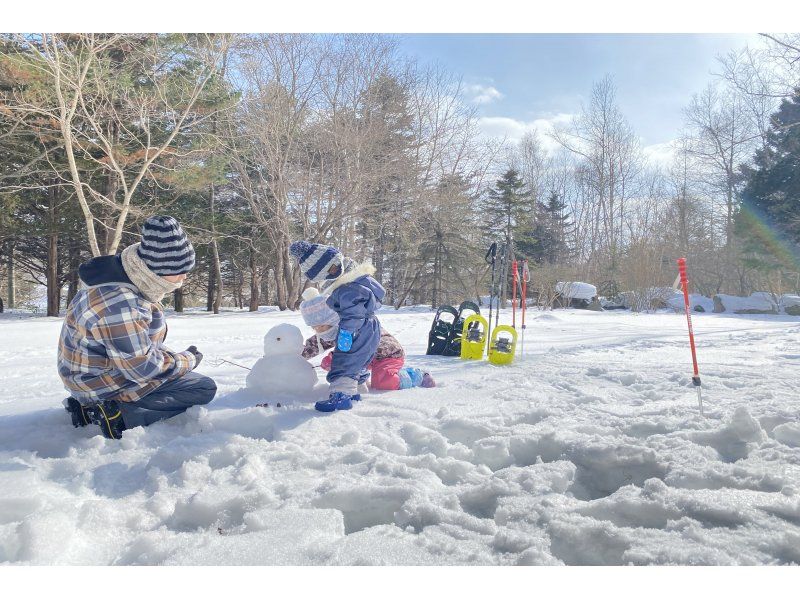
(356, 302)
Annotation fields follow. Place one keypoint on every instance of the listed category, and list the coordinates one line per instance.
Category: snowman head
(283, 339)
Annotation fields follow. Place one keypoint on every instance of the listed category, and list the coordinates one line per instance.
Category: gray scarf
(151, 285)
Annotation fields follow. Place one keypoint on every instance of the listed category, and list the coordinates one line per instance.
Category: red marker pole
(685, 285)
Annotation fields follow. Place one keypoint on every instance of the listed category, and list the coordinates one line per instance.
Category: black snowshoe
(454, 343)
(441, 329)
(445, 336)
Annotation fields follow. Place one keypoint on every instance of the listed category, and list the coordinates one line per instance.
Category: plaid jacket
(111, 345)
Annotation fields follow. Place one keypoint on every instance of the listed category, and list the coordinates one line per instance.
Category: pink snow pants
(384, 372)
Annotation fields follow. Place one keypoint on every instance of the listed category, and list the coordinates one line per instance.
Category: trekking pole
(525, 278)
(685, 285)
(514, 294)
(490, 259)
(501, 283)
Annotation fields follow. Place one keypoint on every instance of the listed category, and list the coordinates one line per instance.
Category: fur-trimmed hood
(350, 275)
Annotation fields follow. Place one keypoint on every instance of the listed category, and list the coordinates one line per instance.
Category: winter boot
(427, 381)
(362, 384)
(410, 377)
(77, 412)
(336, 402)
(108, 416)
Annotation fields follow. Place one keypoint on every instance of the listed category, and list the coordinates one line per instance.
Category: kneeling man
(111, 355)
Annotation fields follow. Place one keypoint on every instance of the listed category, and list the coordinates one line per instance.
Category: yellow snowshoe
(473, 337)
(503, 348)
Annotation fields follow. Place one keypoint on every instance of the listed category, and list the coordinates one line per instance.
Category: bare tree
(610, 163)
(721, 138)
(119, 104)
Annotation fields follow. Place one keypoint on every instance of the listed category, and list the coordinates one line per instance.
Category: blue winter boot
(336, 402)
(410, 377)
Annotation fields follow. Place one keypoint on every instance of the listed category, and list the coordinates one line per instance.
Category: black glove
(198, 356)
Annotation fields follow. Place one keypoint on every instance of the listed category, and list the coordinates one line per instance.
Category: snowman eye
(279, 338)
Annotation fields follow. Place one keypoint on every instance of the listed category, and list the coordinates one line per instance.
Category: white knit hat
(315, 310)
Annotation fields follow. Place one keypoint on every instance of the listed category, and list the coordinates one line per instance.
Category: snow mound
(697, 302)
(576, 290)
(788, 434)
(790, 304)
(734, 440)
(756, 303)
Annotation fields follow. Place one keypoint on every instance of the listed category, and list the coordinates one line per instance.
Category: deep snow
(587, 450)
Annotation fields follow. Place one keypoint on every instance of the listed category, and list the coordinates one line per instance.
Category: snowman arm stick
(220, 361)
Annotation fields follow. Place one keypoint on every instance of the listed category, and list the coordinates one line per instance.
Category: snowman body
(282, 371)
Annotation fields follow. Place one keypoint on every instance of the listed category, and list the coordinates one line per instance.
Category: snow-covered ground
(589, 449)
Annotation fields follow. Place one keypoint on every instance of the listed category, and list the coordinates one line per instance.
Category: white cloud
(514, 130)
(660, 154)
(482, 94)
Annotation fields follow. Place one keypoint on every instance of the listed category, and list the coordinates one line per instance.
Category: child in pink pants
(387, 367)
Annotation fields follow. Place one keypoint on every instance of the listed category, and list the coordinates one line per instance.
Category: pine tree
(547, 243)
(507, 209)
(769, 221)
(386, 121)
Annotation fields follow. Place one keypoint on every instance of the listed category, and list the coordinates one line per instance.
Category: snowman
(282, 371)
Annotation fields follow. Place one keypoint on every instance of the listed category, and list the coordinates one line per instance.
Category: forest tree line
(253, 141)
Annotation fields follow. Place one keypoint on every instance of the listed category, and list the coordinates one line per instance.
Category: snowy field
(587, 450)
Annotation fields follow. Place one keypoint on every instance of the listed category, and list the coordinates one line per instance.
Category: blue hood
(103, 270)
(372, 285)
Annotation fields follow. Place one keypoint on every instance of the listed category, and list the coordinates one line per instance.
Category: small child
(355, 296)
(387, 368)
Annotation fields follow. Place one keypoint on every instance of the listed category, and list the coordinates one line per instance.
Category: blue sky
(521, 80)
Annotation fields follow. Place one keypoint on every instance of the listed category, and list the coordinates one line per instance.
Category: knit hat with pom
(315, 310)
(315, 260)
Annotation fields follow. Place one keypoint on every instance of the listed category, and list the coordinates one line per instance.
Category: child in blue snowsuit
(355, 296)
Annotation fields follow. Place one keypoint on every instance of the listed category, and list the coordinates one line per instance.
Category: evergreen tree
(385, 119)
(507, 209)
(546, 241)
(769, 221)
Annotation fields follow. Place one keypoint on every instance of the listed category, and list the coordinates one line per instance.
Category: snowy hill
(587, 450)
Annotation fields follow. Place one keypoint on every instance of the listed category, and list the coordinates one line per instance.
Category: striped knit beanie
(164, 248)
(315, 310)
(315, 259)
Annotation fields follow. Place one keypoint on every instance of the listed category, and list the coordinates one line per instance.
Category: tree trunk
(402, 299)
(177, 300)
(265, 296)
(53, 288)
(280, 281)
(74, 264)
(211, 286)
(11, 287)
(255, 281)
(217, 275)
(51, 275)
